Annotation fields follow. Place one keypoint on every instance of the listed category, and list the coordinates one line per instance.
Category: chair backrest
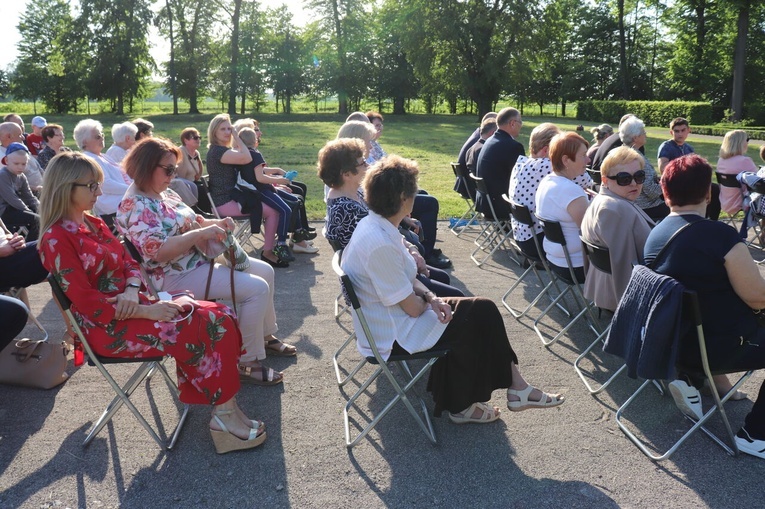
(58, 293)
(553, 231)
(464, 174)
(479, 183)
(336, 246)
(455, 169)
(345, 282)
(726, 180)
(204, 181)
(599, 256)
(521, 213)
(595, 175)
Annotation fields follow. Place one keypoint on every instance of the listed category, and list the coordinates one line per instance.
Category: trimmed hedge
(754, 134)
(654, 113)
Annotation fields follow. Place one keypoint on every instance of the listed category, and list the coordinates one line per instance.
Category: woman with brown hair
(169, 236)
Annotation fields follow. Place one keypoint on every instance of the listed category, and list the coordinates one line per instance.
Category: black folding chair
(599, 258)
(731, 182)
(496, 231)
(146, 367)
(691, 314)
(243, 228)
(401, 361)
(522, 214)
(554, 233)
(470, 214)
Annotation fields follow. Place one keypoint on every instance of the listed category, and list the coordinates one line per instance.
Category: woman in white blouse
(405, 317)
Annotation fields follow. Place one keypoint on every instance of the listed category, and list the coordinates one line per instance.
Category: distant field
(293, 142)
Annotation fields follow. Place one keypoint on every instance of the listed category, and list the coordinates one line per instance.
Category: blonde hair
(601, 132)
(58, 182)
(541, 136)
(244, 122)
(248, 136)
(734, 144)
(620, 156)
(357, 129)
(214, 125)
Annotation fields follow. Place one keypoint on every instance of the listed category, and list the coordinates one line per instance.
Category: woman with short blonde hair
(733, 160)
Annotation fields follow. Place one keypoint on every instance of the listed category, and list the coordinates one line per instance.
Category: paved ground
(572, 456)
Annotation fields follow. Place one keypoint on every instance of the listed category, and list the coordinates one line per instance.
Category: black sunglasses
(170, 169)
(624, 179)
(195, 137)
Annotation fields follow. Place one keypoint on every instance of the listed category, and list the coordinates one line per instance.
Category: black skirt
(479, 358)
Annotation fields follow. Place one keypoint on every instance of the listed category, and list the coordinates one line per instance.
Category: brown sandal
(277, 348)
(268, 376)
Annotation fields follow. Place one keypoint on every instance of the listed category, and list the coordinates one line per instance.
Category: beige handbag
(34, 363)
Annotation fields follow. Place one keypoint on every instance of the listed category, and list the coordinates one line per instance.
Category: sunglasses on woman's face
(624, 179)
(170, 169)
(193, 137)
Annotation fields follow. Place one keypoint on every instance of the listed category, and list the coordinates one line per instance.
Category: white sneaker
(687, 399)
(308, 249)
(750, 445)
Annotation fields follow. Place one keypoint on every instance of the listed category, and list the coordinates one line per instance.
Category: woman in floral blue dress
(103, 283)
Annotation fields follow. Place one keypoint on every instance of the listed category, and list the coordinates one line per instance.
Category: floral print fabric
(148, 223)
(92, 267)
(343, 214)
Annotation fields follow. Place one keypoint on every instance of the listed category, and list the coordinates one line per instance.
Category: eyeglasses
(91, 187)
(170, 169)
(624, 179)
(362, 163)
(98, 136)
(194, 137)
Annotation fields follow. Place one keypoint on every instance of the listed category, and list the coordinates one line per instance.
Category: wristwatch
(133, 285)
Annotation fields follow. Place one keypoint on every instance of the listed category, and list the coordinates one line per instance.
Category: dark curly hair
(338, 157)
(388, 183)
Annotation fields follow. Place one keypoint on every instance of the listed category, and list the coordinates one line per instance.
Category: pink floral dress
(92, 267)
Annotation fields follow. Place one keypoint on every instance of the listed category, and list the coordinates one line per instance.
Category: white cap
(39, 122)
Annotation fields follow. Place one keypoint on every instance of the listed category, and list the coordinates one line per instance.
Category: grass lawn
(293, 142)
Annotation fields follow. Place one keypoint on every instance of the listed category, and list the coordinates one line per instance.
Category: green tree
(474, 41)
(287, 59)
(50, 66)
(342, 22)
(193, 23)
(119, 62)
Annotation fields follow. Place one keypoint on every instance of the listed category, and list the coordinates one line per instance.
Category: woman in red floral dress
(103, 283)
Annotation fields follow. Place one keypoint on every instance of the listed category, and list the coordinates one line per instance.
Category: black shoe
(279, 264)
(283, 253)
(439, 262)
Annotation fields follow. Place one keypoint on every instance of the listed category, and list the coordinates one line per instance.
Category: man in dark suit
(496, 161)
(462, 185)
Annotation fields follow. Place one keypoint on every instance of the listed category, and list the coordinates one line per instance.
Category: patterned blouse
(148, 223)
(92, 266)
(524, 182)
(222, 176)
(375, 153)
(343, 214)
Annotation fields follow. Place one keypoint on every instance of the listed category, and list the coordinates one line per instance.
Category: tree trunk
(288, 106)
(398, 105)
(234, 57)
(243, 104)
(739, 62)
(173, 86)
(484, 106)
(701, 32)
(342, 95)
(623, 52)
(563, 108)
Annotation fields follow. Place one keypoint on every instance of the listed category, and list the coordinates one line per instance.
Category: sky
(11, 10)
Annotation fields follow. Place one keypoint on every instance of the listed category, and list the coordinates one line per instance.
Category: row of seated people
(104, 284)
(365, 208)
(423, 221)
